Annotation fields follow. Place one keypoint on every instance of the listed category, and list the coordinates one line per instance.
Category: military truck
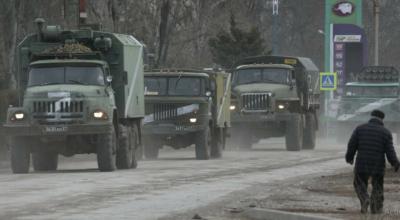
(185, 107)
(80, 91)
(275, 96)
(374, 87)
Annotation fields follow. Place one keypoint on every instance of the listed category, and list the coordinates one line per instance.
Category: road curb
(270, 214)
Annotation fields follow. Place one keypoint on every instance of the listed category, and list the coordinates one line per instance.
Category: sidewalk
(333, 196)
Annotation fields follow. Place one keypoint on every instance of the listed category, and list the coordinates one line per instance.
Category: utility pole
(376, 18)
(275, 14)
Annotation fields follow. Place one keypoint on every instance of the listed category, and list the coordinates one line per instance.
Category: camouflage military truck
(375, 87)
(274, 96)
(80, 91)
(185, 107)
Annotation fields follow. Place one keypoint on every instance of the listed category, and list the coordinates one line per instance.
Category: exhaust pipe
(40, 24)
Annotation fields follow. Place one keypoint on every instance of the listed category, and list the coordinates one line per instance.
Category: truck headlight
(232, 107)
(99, 114)
(18, 116)
(281, 106)
(193, 120)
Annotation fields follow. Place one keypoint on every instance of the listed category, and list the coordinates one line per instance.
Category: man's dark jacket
(372, 141)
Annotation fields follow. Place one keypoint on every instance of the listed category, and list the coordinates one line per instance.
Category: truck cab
(182, 109)
(275, 96)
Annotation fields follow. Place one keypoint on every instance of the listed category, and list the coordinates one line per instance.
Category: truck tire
(217, 143)
(309, 132)
(138, 147)
(126, 158)
(294, 133)
(203, 144)
(106, 151)
(151, 149)
(20, 155)
(45, 161)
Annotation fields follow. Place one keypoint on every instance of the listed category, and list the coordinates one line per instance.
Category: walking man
(371, 141)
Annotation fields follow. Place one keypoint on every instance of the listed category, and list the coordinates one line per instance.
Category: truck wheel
(151, 149)
(217, 143)
(294, 134)
(45, 161)
(138, 148)
(105, 151)
(127, 146)
(20, 155)
(309, 132)
(203, 144)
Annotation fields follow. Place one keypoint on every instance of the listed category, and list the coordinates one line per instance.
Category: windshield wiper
(47, 83)
(272, 81)
(250, 82)
(177, 81)
(77, 82)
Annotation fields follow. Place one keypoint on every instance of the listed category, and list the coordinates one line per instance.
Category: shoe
(364, 207)
(379, 211)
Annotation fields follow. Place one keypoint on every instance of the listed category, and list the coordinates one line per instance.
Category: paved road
(171, 185)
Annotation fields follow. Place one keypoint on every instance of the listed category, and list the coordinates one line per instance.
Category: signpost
(345, 51)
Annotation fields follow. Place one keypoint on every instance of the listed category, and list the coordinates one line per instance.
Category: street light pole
(376, 18)
(275, 13)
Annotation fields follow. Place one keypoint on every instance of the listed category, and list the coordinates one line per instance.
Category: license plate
(53, 129)
(183, 128)
(180, 128)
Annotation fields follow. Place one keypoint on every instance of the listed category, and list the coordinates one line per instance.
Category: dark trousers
(361, 188)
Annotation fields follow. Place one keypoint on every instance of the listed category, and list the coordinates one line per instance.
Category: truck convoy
(274, 96)
(81, 91)
(185, 107)
(375, 87)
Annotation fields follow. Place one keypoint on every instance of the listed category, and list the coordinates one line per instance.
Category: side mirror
(309, 80)
(292, 83)
(292, 79)
(109, 79)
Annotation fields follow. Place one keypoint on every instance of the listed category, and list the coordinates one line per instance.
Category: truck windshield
(372, 91)
(155, 86)
(261, 75)
(92, 75)
(174, 86)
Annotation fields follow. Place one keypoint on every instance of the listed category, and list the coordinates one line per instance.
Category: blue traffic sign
(328, 81)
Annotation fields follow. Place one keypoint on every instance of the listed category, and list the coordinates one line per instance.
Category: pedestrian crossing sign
(327, 81)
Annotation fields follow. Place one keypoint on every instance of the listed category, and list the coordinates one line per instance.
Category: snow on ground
(174, 184)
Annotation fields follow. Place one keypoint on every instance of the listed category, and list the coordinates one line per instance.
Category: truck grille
(165, 111)
(57, 106)
(255, 101)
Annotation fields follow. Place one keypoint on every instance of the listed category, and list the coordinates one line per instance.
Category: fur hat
(378, 113)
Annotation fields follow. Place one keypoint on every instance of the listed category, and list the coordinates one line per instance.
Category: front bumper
(171, 129)
(55, 130)
(237, 117)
